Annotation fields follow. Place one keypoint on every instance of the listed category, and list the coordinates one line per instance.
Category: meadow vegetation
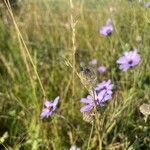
(42, 46)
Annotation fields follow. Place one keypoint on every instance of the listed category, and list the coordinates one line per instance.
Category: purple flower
(93, 62)
(49, 107)
(105, 85)
(89, 101)
(129, 60)
(101, 69)
(107, 29)
(103, 96)
(104, 90)
(98, 96)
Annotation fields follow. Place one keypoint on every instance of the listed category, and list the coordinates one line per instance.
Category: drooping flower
(93, 62)
(49, 107)
(129, 60)
(107, 29)
(101, 69)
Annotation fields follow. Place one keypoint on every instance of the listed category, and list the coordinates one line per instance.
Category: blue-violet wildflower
(129, 60)
(98, 96)
(107, 29)
(101, 69)
(49, 108)
(93, 62)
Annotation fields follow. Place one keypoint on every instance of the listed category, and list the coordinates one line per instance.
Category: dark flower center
(104, 87)
(109, 32)
(130, 62)
(50, 108)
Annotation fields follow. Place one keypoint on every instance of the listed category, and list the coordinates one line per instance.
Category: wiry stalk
(73, 28)
(97, 123)
(89, 140)
(22, 42)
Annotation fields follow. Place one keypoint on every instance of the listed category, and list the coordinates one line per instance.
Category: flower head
(107, 29)
(88, 77)
(104, 90)
(145, 109)
(49, 108)
(103, 96)
(93, 62)
(129, 60)
(98, 96)
(101, 69)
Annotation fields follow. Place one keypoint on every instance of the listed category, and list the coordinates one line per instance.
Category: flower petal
(84, 100)
(101, 95)
(86, 108)
(48, 103)
(56, 100)
(44, 113)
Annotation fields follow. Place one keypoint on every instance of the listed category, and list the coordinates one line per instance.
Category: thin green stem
(92, 129)
(97, 124)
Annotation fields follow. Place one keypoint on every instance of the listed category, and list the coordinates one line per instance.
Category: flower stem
(92, 128)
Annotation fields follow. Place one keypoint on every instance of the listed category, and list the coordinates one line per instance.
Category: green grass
(45, 27)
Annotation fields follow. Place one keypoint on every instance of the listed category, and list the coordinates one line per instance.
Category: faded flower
(145, 109)
(88, 77)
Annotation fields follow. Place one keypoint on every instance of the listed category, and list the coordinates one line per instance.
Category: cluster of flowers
(97, 97)
(103, 91)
